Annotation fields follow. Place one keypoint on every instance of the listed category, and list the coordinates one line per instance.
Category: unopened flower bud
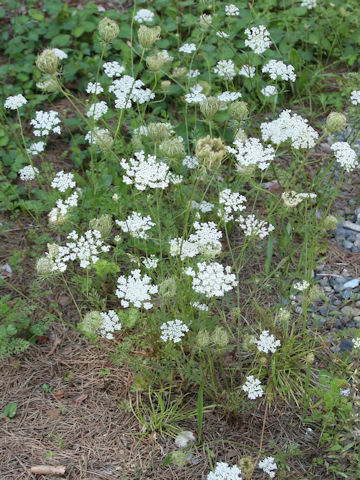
(167, 288)
(91, 324)
(330, 223)
(165, 85)
(310, 358)
(108, 30)
(247, 467)
(238, 111)
(103, 224)
(49, 84)
(44, 266)
(314, 293)
(220, 337)
(205, 21)
(209, 107)
(179, 458)
(178, 72)
(173, 148)
(115, 197)
(55, 217)
(158, 131)
(148, 36)
(203, 338)
(335, 122)
(210, 151)
(155, 62)
(263, 361)
(206, 87)
(282, 316)
(47, 61)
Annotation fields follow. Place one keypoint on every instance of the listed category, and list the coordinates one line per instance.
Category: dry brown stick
(48, 470)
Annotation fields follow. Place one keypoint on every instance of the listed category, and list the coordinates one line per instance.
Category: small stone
(324, 311)
(352, 202)
(339, 324)
(346, 294)
(337, 302)
(356, 320)
(351, 226)
(355, 282)
(327, 289)
(355, 249)
(348, 245)
(298, 309)
(345, 345)
(357, 304)
(350, 311)
(357, 211)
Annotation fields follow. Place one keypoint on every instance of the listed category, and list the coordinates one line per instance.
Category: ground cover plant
(178, 168)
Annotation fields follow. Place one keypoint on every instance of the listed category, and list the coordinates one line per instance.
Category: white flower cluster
(355, 97)
(150, 262)
(247, 71)
(86, 248)
(258, 39)
(203, 206)
(266, 342)
(229, 96)
(309, 4)
(144, 15)
(136, 225)
(356, 342)
(113, 69)
(232, 10)
(97, 110)
(135, 290)
(195, 95)
(268, 465)
(251, 152)
(255, 228)
(225, 69)
(28, 173)
(193, 73)
(146, 172)
(110, 324)
(292, 199)
(173, 331)
(63, 181)
(301, 286)
(222, 34)
(58, 213)
(345, 155)
(212, 279)
(230, 202)
(95, 88)
(252, 387)
(128, 90)
(289, 127)
(56, 259)
(45, 122)
(60, 53)
(15, 101)
(36, 148)
(187, 48)
(190, 162)
(200, 306)
(224, 472)
(204, 241)
(277, 69)
(269, 90)
(94, 137)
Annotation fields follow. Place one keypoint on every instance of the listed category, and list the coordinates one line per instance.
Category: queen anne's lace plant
(269, 90)
(146, 172)
(252, 387)
(309, 4)
(97, 110)
(113, 69)
(267, 343)
(222, 34)
(292, 199)
(128, 90)
(301, 286)
(277, 69)
(252, 152)
(230, 202)
(258, 39)
(86, 248)
(63, 181)
(36, 148)
(356, 342)
(224, 472)
(200, 306)
(269, 466)
(190, 162)
(135, 290)
(173, 331)
(195, 95)
(255, 228)
(57, 214)
(289, 127)
(187, 48)
(95, 88)
(203, 206)
(28, 173)
(211, 279)
(247, 71)
(60, 53)
(193, 73)
(345, 155)
(225, 69)
(355, 97)
(15, 101)
(232, 10)
(144, 16)
(229, 96)
(110, 324)
(97, 136)
(136, 225)
(151, 262)
(205, 241)
(45, 122)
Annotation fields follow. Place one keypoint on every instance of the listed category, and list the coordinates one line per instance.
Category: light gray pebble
(355, 282)
(348, 245)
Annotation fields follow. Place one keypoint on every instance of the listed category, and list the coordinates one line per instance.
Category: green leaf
(36, 14)
(62, 40)
(9, 411)
(78, 31)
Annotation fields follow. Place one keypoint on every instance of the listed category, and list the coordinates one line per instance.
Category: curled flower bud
(165, 85)
(220, 337)
(178, 72)
(158, 131)
(91, 324)
(209, 107)
(314, 293)
(108, 30)
(283, 316)
(173, 148)
(335, 122)
(48, 61)
(247, 467)
(49, 84)
(148, 36)
(205, 21)
(238, 111)
(203, 338)
(330, 223)
(44, 266)
(310, 358)
(155, 62)
(210, 151)
(103, 224)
